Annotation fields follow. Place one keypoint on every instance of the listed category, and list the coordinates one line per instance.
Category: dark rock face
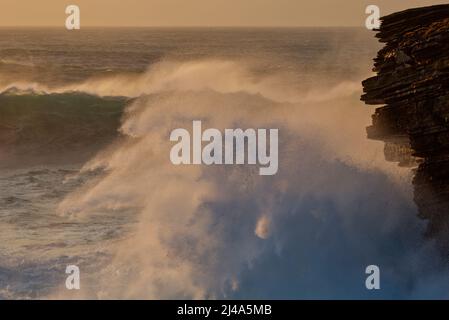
(412, 83)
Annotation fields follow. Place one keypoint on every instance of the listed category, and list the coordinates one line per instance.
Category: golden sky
(199, 12)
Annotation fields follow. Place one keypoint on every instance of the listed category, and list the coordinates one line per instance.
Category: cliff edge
(412, 84)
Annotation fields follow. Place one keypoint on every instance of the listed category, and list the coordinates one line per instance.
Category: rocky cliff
(412, 84)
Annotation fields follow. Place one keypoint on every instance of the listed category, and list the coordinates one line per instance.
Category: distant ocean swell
(38, 128)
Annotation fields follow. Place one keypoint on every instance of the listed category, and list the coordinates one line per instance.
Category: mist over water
(140, 227)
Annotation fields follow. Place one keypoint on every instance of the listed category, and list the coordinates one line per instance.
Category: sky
(141, 13)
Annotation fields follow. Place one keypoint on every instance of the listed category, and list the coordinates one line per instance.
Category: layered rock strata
(412, 84)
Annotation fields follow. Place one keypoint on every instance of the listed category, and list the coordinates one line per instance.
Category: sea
(85, 176)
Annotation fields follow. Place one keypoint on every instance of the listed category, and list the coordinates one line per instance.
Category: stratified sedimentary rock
(412, 83)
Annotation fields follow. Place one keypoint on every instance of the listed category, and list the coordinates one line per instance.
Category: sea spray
(186, 213)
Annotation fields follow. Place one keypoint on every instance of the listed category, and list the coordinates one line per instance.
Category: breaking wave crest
(217, 75)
